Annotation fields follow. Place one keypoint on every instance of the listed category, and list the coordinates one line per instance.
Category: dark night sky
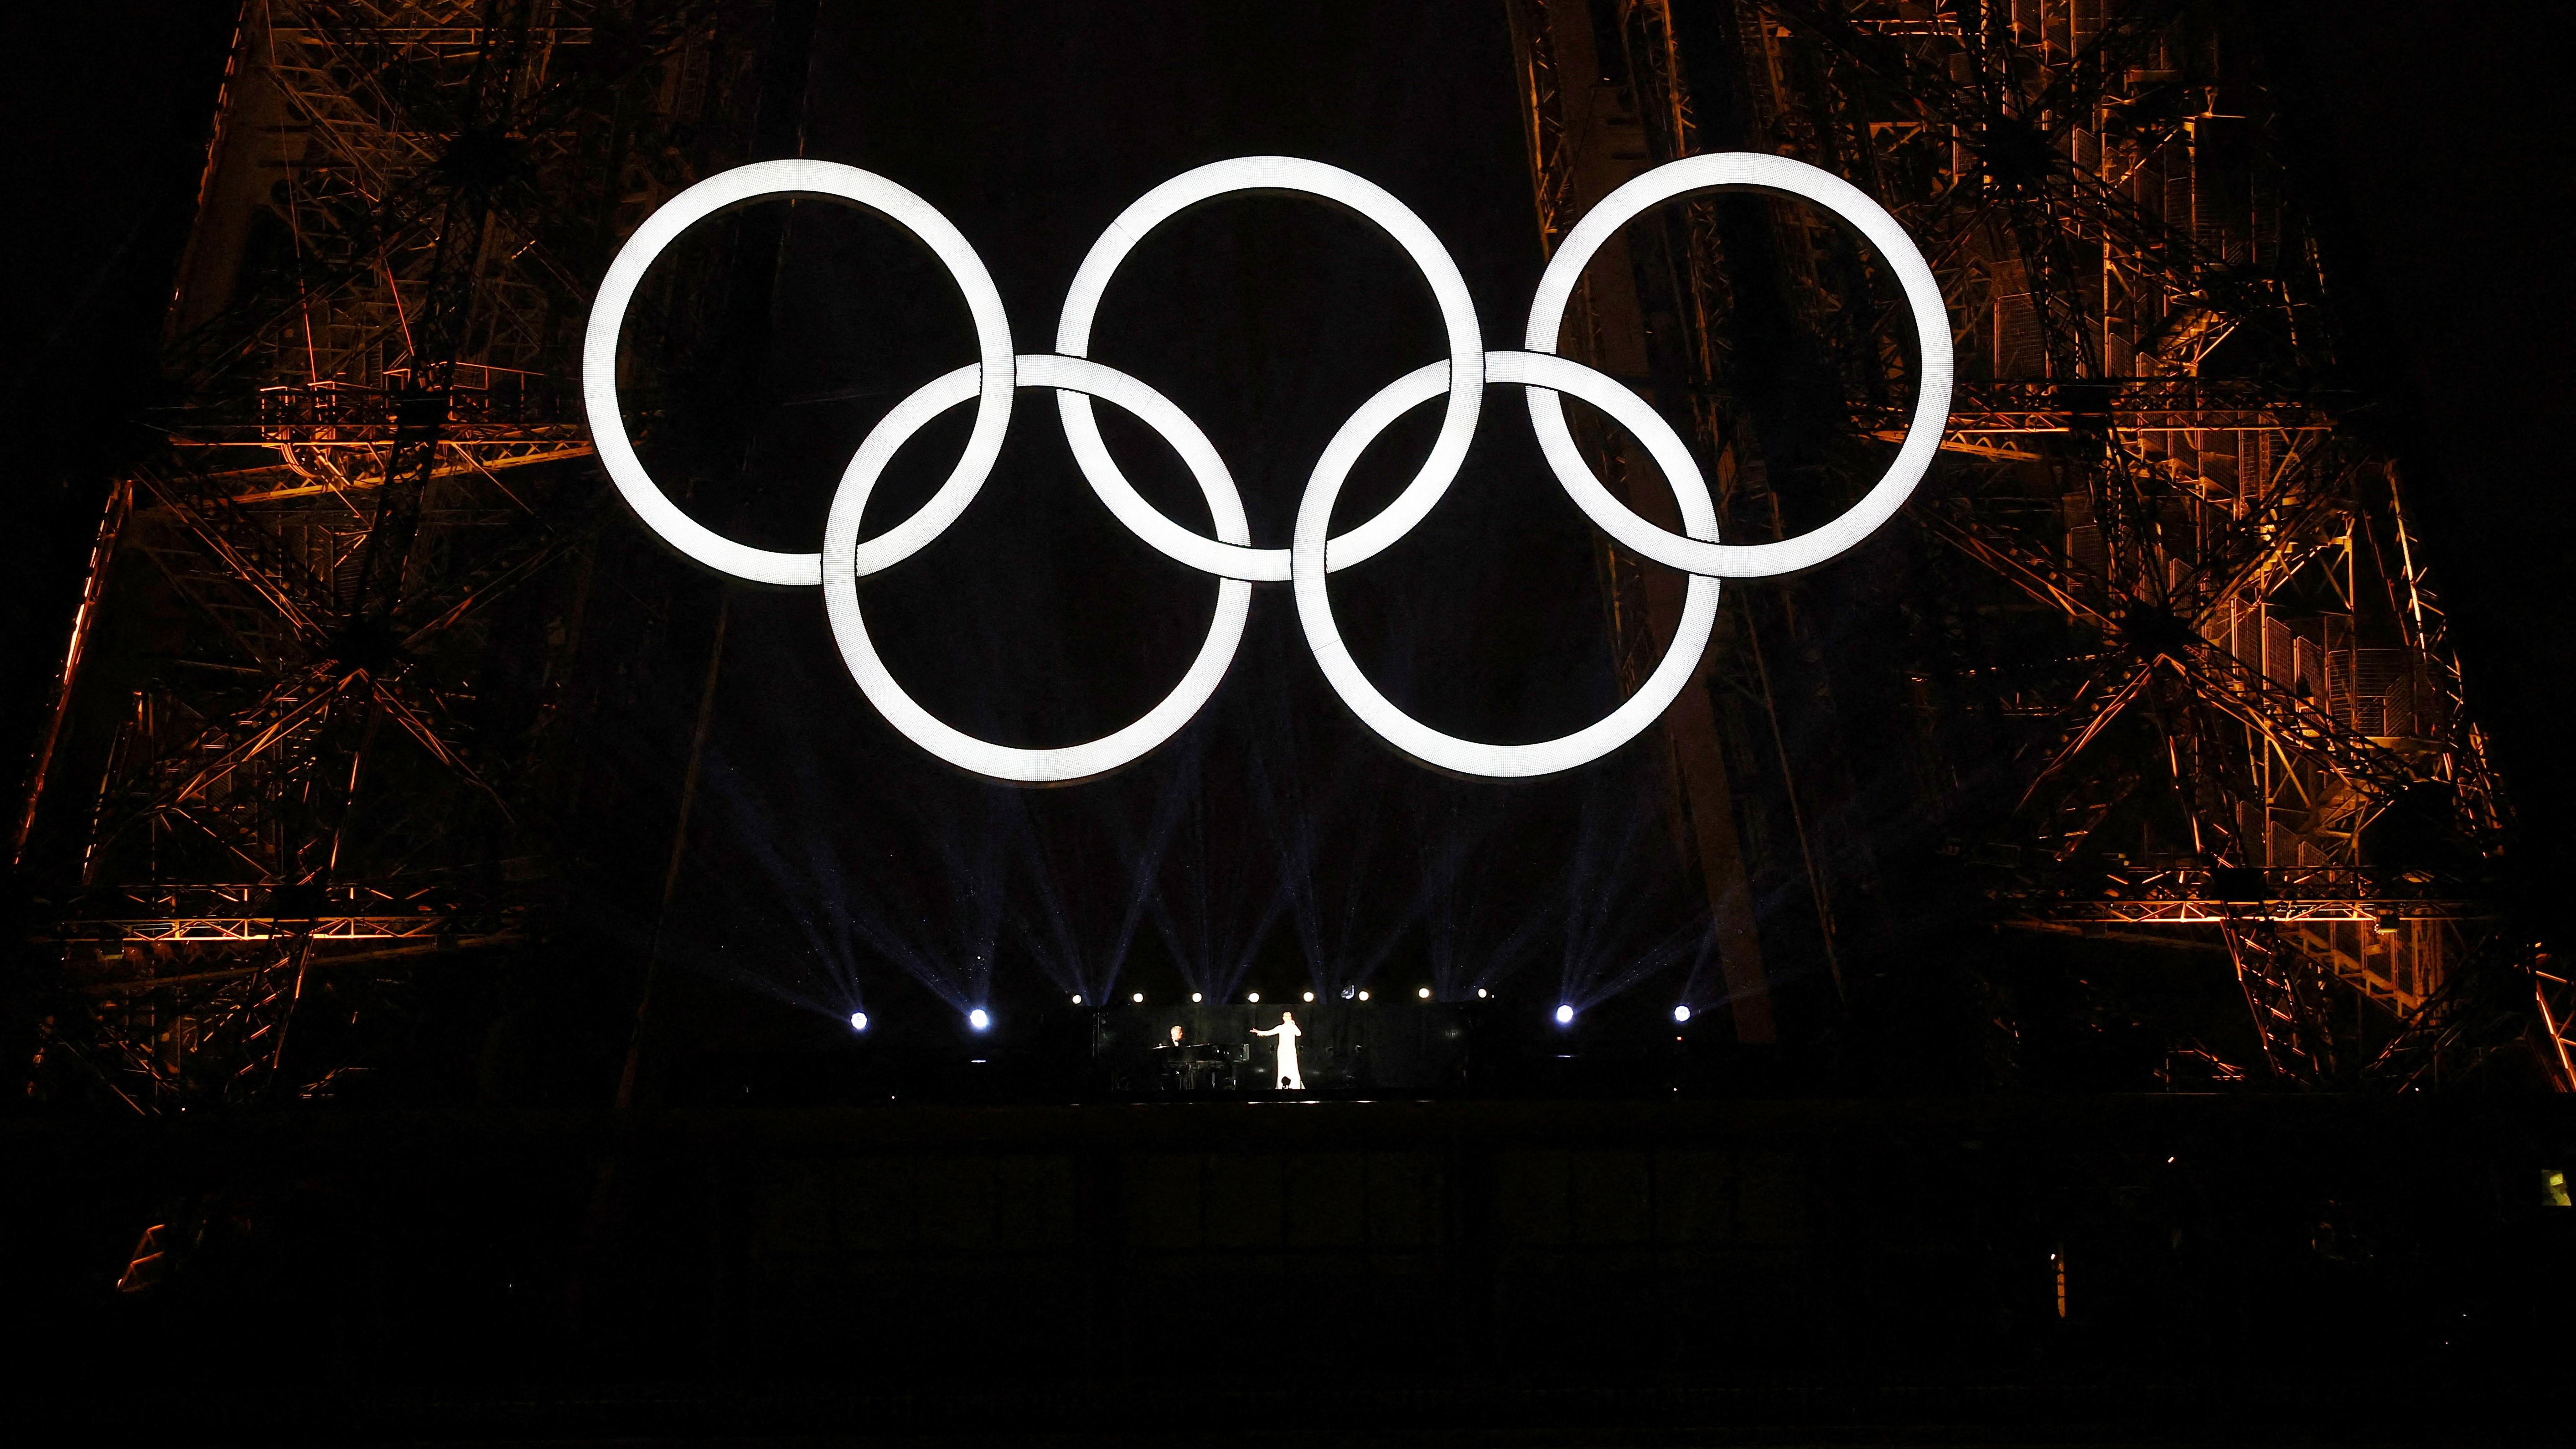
(1268, 320)
(1036, 620)
(2457, 196)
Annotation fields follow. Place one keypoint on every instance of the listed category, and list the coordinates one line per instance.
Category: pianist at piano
(1341, 1047)
(1187, 1066)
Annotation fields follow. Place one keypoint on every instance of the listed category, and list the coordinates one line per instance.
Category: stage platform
(1349, 1051)
(1352, 1266)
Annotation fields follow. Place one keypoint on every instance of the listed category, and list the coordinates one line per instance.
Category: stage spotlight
(1681, 1013)
(858, 1021)
(1310, 996)
(1565, 1016)
(1424, 993)
(1138, 998)
(1077, 998)
(1254, 998)
(1195, 998)
(977, 1019)
(1480, 993)
(1363, 996)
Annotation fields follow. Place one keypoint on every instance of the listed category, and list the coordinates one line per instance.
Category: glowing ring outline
(1743, 170)
(1313, 555)
(1312, 565)
(759, 181)
(841, 566)
(1466, 381)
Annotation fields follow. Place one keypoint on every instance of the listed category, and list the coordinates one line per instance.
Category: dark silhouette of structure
(2152, 661)
(324, 690)
(2145, 698)
(2167, 669)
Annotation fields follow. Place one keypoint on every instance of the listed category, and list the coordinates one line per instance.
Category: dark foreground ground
(2171, 1269)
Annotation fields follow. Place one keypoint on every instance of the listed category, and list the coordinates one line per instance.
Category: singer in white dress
(1287, 1033)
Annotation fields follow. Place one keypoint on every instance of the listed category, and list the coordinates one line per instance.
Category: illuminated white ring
(1311, 548)
(753, 183)
(1464, 373)
(1741, 171)
(844, 559)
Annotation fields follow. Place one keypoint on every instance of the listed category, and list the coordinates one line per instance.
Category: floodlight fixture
(1424, 993)
(1480, 993)
(1196, 998)
(977, 1019)
(858, 1021)
(1254, 998)
(1138, 998)
(1363, 996)
(1310, 996)
(1564, 1015)
(1681, 1012)
(1077, 998)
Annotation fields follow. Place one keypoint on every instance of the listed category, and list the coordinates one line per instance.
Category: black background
(413, 1253)
(1031, 131)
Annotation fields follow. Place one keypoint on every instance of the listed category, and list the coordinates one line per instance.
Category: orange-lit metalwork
(289, 769)
(2201, 621)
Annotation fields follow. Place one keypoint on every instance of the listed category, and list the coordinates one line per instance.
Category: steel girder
(2213, 650)
(373, 488)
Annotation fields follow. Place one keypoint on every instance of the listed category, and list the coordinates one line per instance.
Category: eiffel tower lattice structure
(2179, 672)
(322, 672)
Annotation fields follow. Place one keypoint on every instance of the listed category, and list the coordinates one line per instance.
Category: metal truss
(2206, 896)
(372, 501)
(2203, 628)
(243, 914)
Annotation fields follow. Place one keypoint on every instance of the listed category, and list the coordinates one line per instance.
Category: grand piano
(1201, 1066)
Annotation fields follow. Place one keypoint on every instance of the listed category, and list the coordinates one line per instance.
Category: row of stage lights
(982, 1020)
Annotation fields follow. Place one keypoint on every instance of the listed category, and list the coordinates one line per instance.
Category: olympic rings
(844, 559)
(1746, 171)
(1313, 554)
(756, 182)
(1538, 370)
(1466, 372)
